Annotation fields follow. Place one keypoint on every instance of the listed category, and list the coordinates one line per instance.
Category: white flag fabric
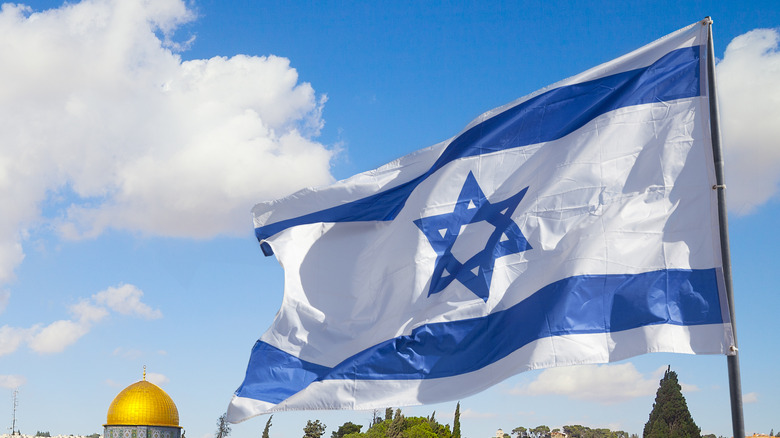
(576, 225)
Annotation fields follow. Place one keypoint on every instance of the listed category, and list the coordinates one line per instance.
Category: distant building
(142, 410)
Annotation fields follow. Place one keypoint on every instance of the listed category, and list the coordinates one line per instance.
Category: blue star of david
(443, 230)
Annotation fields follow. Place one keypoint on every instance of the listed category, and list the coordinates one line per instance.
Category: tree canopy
(670, 417)
(313, 429)
(399, 426)
(346, 429)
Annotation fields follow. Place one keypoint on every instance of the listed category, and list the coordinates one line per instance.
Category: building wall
(141, 432)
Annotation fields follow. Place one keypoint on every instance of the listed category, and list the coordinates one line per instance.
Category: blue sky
(137, 136)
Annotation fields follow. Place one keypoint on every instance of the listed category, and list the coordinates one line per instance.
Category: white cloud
(749, 93)
(126, 299)
(11, 338)
(157, 378)
(86, 312)
(104, 126)
(750, 397)
(57, 336)
(12, 381)
(605, 384)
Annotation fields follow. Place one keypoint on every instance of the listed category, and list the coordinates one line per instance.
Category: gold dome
(142, 404)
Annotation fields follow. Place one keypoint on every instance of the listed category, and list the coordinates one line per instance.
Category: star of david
(443, 230)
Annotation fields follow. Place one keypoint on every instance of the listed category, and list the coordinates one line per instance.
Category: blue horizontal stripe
(586, 304)
(546, 117)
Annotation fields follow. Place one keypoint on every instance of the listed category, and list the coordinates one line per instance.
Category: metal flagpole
(735, 382)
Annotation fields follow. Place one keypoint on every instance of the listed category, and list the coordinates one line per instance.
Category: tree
(267, 427)
(388, 413)
(670, 417)
(396, 426)
(223, 428)
(313, 429)
(375, 418)
(345, 429)
(541, 431)
(39, 433)
(456, 422)
(519, 431)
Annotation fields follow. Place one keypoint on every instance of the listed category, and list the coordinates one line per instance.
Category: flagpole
(735, 381)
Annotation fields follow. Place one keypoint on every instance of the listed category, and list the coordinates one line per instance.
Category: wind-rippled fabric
(576, 225)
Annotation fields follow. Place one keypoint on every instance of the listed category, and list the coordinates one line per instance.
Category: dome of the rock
(143, 404)
(142, 410)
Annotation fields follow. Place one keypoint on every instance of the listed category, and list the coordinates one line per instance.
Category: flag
(576, 225)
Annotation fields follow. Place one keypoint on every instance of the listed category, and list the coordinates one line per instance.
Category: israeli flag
(576, 225)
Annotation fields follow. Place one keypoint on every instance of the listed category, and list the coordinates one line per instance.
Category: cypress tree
(267, 427)
(670, 417)
(456, 422)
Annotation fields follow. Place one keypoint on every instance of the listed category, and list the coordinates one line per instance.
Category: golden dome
(142, 404)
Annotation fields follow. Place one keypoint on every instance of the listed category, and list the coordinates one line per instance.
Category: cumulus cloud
(126, 299)
(88, 313)
(103, 125)
(11, 338)
(750, 397)
(749, 93)
(59, 335)
(606, 384)
(11, 381)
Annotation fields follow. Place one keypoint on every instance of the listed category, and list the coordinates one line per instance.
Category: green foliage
(313, 429)
(389, 414)
(405, 427)
(346, 429)
(94, 435)
(520, 432)
(47, 434)
(417, 427)
(670, 417)
(456, 422)
(267, 427)
(578, 431)
(540, 431)
(396, 425)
